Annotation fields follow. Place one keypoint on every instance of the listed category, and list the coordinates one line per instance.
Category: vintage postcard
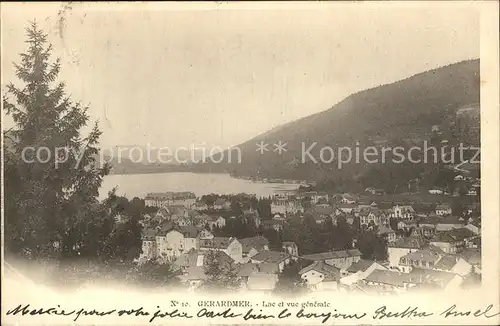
(265, 163)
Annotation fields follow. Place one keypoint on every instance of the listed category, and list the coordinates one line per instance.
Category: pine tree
(152, 273)
(220, 275)
(308, 237)
(230, 279)
(54, 206)
(372, 246)
(343, 235)
(213, 271)
(289, 280)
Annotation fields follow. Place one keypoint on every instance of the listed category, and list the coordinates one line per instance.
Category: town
(316, 241)
(276, 222)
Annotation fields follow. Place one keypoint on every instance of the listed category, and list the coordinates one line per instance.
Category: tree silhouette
(220, 275)
(52, 175)
(289, 280)
(152, 273)
(372, 247)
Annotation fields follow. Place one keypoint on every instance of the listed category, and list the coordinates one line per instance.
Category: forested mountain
(405, 113)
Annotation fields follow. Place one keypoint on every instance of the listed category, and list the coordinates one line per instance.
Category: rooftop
(216, 242)
(443, 237)
(258, 243)
(419, 275)
(323, 210)
(330, 272)
(446, 263)
(473, 256)
(405, 208)
(170, 195)
(388, 277)
(245, 270)
(361, 265)
(193, 256)
(269, 256)
(408, 243)
(187, 259)
(426, 255)
(461, 233)
(451, 220)
(188, 231)
(193, 273)
(332, 255)
(164, 228)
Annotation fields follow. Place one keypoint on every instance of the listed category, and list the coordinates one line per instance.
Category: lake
(139, 185)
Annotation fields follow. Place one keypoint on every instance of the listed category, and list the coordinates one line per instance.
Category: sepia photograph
(243, 163)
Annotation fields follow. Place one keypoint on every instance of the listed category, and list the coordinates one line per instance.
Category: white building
(377, 216)
(286, 206)
(231, 246)
(165, 199)
(436, 191)
(320, 276)
(402, 212)
(359, 271)
(320, 197)
(401, 248)
(272, 257)
(216, 222)
(173, 243)
(254, 245)
(347, 199)
(443, 209)
(341, 258)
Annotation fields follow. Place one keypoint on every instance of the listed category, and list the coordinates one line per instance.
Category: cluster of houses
(369, 213)
(167, 235)
(166, 199)
(182, 223)
(463, 182)
(435, 250)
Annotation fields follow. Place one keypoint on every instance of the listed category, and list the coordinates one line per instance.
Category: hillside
(403, 112)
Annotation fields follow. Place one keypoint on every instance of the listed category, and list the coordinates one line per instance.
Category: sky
(173, 75)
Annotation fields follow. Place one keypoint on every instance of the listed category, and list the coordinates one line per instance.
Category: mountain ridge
(386, 112)
(403, 110)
